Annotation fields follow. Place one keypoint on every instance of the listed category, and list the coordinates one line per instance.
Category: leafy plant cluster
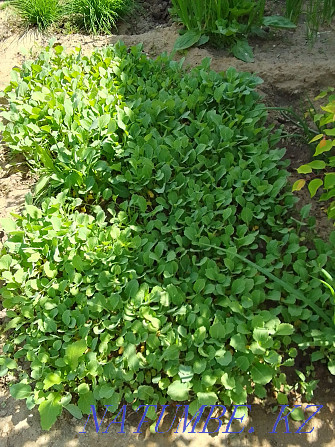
(324, 162)
(94, 16)
(227, 22)
(168, 267)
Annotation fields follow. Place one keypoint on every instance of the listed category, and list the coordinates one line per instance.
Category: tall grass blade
(283, 284)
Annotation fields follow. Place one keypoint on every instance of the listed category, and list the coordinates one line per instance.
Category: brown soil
(291, 70)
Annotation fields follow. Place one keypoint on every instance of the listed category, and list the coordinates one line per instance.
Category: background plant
(99, 16)
(294, 9)
(38, 13)
(169, 267)
(324, 162)
(224, 21)
(315, 12)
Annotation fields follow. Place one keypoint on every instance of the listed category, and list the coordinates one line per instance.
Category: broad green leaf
(5, 262)
(8, 224)
(329, 181)
(49, 411)
(85, 401)
(261, 373)
(331, 367)
(131, 288)
(33, 211)
(243, 363)
(217, 331)
(323, 146)
(317, 137)
(145, 393)
(278, 22)
(41, 184)
(298, 185)
(242, 50)
(187, 40)
(199, 366)
(282, 399)
(83, 388)
(130, 355)
(20, 390)
(178, 391)
(51, 379)
(223, 358)
(285, 329)
(246, 215)
(208, 398)
(297, 414)
(317, 164)
(238, 342)
(49, 270)
(171, 352)
(199, 285)
(74, 351)
(185, 373)
(74, 411)
(305, 169)
(314, 185)
(228, 381)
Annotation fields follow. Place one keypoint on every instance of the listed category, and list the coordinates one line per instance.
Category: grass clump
(168, 268)
(99, 16)
(315, 12)
(38, 13)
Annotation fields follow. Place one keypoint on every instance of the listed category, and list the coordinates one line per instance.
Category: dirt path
(290, 69)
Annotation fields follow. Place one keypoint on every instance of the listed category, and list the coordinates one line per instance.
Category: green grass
(293, 9)
(38, 13)
(315, 12)
(99, 16)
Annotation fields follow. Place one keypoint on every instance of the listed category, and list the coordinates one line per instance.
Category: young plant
(324, 163)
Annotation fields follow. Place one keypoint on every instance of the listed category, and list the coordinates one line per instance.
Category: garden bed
(291, 69)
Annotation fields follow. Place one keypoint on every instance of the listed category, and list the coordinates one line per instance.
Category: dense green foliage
(176, 272)
(224, 22)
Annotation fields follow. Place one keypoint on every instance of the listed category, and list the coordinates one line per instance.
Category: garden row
(158, 259)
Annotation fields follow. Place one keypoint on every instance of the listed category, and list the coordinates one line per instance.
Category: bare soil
(291, 70)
